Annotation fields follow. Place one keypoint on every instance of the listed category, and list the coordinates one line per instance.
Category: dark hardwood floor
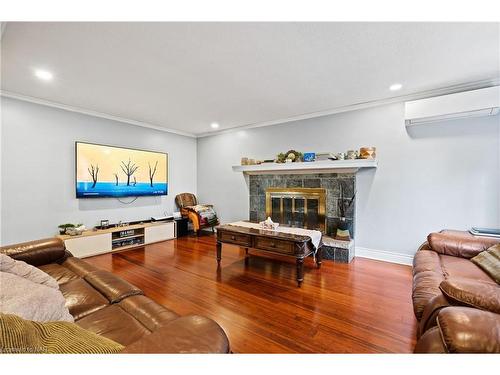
(361, 307)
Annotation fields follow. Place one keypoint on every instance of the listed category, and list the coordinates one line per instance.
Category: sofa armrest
(430, 342)
(189, 334)
(473, 293)
(469, 330)
(39, 252)
(459, 244)
(430, 313)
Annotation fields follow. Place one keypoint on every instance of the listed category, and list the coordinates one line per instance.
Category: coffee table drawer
(236, 238)
(270, 244)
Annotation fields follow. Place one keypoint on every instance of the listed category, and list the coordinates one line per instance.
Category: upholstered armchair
(200, 215)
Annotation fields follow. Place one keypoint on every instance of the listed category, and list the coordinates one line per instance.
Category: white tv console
(94, 242)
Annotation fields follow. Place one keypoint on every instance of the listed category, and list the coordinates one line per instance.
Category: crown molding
(362, 105)
(305, 116)
(48, 103)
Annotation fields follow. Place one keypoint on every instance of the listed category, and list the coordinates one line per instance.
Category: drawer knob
(233, 238)
(273, 244)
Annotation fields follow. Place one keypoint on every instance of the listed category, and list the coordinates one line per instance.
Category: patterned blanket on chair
(206, 213)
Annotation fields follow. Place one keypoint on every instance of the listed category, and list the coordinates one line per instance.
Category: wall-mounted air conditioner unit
(474, 103)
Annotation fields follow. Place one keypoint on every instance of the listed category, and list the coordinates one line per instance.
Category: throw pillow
(23, 336)
(489, 262)
(23, 269)
(30, 300)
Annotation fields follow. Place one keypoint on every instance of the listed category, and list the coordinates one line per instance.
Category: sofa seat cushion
(463, 268)
(116, 324)
(189, 334)
(81, 298)
(112, 287)
(147, 311)
(469, 330)
(60, 273)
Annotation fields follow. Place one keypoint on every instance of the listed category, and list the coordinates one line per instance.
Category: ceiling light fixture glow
(214, 125)
(395, 87)
(44, 75)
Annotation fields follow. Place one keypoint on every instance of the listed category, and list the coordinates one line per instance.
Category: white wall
(441, 175)
(37, 169)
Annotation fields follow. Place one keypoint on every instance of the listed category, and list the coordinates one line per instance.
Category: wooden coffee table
(288, 244)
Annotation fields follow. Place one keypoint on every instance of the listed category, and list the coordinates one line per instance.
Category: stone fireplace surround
(330, 181)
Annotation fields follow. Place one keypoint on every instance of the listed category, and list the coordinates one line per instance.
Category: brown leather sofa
(112, 307)
(456, 303)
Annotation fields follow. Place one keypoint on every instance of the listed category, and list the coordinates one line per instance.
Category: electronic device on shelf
(161, 218)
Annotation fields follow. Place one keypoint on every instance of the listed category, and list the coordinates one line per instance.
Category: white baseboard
(386, 256)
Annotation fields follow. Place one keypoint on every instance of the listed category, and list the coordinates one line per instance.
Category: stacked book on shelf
(486, 232)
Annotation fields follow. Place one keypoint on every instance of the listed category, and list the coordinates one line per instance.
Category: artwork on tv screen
(108, 171)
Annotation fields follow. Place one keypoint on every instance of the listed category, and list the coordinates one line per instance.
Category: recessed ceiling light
(214, 125)
(395, 87)
(43, 75)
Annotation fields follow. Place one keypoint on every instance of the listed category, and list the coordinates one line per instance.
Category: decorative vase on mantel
(343, 227)
(343, 232)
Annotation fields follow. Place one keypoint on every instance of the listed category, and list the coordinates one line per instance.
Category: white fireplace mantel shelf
(323, 166)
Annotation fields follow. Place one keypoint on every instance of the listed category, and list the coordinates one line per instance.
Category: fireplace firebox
(297, 207)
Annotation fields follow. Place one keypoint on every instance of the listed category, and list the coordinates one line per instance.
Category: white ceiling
(184, 76)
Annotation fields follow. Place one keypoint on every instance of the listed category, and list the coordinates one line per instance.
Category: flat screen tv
(109, 171)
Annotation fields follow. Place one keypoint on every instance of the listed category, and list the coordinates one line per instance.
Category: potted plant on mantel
(343, 227)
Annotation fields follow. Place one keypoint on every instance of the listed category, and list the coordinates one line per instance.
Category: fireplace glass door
(297, 207)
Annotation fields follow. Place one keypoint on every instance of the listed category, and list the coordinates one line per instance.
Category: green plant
(65, 226)
(281, 157)
(293, 155)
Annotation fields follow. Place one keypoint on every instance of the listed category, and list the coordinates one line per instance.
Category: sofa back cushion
(114, 288)
(37, 252)
(18, 335)
(459, 244)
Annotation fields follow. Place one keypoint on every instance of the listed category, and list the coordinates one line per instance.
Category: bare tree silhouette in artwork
(116, 178)
(129, 169)
(135, 181)
(93, 171)
(152, 172)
